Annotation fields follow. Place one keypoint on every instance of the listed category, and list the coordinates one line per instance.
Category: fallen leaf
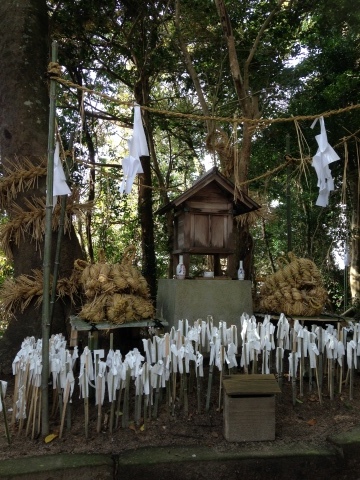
(50, 437)
(142, 428)
(311, 422)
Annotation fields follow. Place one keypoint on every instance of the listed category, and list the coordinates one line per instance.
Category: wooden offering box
(249, 407)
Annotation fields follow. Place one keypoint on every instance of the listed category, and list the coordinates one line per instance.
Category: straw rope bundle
(114, 292)
(17, 294)
(32, 221)
(218, 142)
(22, 176)
(295, 289)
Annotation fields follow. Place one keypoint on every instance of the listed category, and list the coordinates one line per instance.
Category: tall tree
(24, 103)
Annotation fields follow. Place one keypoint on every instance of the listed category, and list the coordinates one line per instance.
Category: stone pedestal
(225, 300)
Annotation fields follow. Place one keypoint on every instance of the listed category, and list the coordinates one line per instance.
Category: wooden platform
(249, 407)
(79, 324)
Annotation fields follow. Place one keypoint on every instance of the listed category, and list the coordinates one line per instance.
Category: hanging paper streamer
(321, 160)
(137, 148)
(60, 186)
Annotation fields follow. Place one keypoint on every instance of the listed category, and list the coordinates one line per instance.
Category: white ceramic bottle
(180, 269)
(241, 271)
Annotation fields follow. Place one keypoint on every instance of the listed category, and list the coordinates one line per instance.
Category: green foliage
(110, 45)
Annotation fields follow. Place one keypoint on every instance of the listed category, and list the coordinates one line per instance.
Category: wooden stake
(208, 393)
(125, 415)
(16, 394)
(118, 405)
(66, 399)
(5, 417)
(99, 413)
(351, 379)
(293, 359)
(318, 384)
(331, 377)
(221, 374)
(342, 362)
(36, 395)
(321, 359)
(86, 402)
(302, 365)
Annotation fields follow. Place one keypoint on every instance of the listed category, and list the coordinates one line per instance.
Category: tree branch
(257, 41)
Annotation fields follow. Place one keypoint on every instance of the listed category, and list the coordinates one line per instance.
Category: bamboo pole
(58, 245)
(47, 253)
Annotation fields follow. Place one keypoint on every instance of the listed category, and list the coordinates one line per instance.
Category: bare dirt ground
(307, 423)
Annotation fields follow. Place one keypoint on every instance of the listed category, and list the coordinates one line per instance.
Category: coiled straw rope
(114, 292)
(295, 289)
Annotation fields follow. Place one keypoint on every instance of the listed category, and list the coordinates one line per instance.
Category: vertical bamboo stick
(47, 252)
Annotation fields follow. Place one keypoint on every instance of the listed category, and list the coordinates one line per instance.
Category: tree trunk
(147, 227)
(24, 105)
(355, 238)
(145, 202)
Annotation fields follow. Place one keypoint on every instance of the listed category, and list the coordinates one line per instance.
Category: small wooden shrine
(203, 220)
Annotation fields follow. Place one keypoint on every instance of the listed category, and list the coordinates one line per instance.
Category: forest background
(232, 84)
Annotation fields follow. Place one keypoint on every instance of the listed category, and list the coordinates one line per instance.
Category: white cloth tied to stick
(137, 148)
(60, 187)
(321, 161)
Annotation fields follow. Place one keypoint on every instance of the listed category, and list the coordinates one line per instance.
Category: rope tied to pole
(54, 70)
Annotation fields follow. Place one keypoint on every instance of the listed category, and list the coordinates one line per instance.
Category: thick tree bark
(24, 105)
(147, 227)
(355, 237)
